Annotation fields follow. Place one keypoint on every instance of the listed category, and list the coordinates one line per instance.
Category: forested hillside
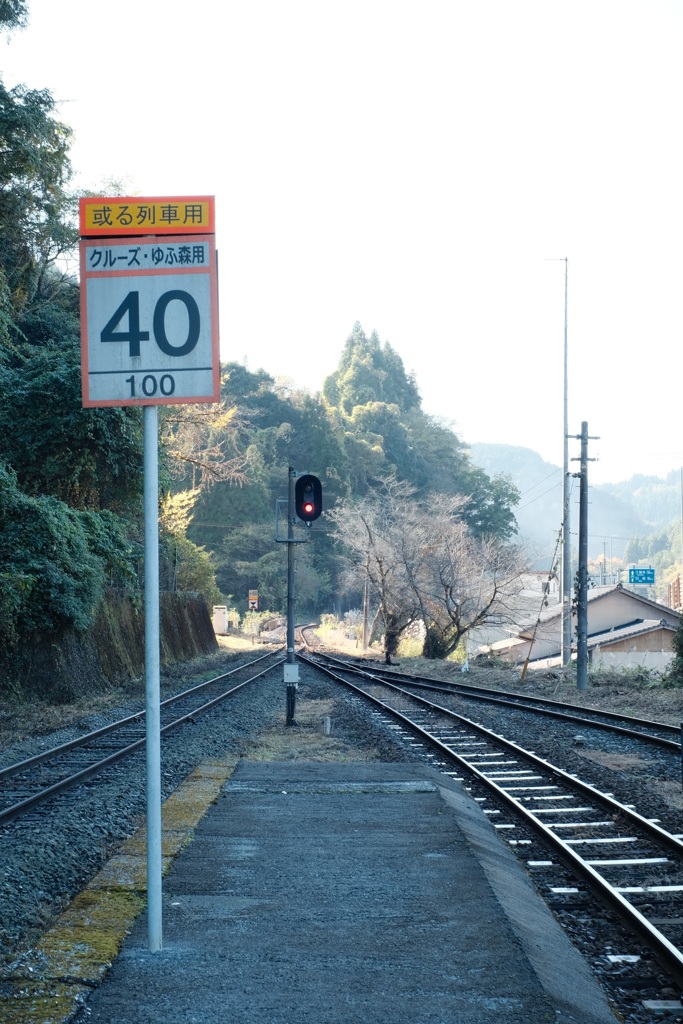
(634, 523)
(615, 512)
(366, 427)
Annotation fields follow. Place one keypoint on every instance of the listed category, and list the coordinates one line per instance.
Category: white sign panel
(149, 326)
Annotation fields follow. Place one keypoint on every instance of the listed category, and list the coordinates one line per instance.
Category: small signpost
(149, 337)
(641, 576)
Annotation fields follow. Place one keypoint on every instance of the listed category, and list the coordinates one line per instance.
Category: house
(624, 629)
(520, 603)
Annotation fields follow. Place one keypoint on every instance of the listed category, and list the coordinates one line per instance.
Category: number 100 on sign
(149, 339)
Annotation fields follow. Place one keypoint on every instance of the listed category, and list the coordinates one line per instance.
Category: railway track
(26, 784)
(659, 734)
(628, 861)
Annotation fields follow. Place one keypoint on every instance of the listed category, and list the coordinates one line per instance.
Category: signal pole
(304, 502)
(291, 666)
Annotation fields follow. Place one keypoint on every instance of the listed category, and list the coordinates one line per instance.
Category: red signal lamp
(308, 498)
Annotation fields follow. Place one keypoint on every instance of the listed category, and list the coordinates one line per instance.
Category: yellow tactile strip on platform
(51, 981)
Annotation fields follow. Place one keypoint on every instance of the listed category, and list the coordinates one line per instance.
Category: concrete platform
(360, 893)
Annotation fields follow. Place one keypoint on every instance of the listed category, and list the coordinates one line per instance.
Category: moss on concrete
(88, 936)
(50, 982)
(40, 1002)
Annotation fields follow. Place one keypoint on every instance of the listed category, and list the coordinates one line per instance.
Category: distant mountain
(616, 513)
(657, 500)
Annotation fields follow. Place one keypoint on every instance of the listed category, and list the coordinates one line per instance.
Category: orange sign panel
(135, 215)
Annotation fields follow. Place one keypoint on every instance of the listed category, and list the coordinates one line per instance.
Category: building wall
(612, 609)
(657, 640)
(658, 661)
(621, 606)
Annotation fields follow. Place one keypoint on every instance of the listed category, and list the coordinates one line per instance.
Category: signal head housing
(308, 497)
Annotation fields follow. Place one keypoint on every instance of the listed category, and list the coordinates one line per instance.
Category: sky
(424, 169)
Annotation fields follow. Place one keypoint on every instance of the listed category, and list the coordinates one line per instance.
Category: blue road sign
(641, 575)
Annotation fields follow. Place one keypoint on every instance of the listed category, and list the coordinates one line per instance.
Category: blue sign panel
(641, 575)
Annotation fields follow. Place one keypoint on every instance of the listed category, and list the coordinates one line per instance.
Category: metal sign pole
(152, 686)
(149, 337)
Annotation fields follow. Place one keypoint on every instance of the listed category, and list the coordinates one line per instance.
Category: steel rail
(522, 702)
(89, 737)
(666, 952)
(477, 692)
(16, 810)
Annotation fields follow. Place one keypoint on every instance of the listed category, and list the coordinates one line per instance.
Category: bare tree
(423, 563)
(466, 580)
(373, 530)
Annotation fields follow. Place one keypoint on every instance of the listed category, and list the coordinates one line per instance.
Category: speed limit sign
(149, 323)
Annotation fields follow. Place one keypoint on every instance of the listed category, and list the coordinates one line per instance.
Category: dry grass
(236, 643)
(20, 719)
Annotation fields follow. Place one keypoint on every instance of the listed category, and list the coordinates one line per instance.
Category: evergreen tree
(89, 458)
(36, 225)
(376, 408)
(275, 427)
(13, 14)
(369, 372)
(65, 472)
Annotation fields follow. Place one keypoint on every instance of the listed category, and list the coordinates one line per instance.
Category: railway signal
(305, 501)
(308, 498)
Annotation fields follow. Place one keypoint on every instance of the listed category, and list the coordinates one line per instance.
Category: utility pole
(582, 594)
(680, 578)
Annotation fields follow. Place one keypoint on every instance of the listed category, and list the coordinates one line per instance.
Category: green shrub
(56, 562)
(253, 622)
(328, 623)
(410, 647)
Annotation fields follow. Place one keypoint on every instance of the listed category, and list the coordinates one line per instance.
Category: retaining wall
(112, 652)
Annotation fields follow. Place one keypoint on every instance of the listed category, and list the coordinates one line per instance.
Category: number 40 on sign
(149, 324)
